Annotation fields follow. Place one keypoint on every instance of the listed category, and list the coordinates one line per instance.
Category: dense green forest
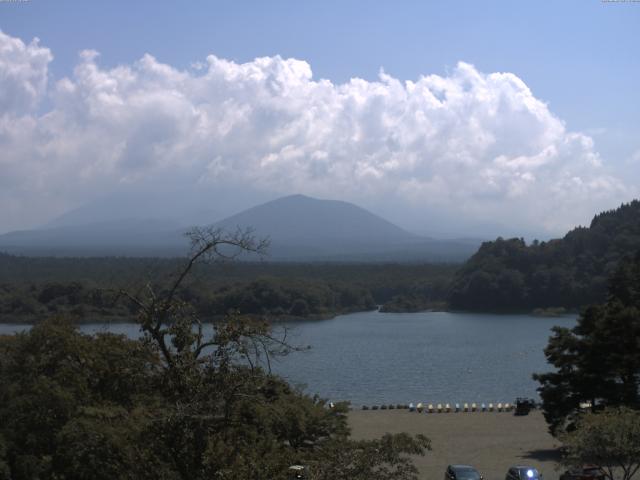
(570, 272)
(86, 289)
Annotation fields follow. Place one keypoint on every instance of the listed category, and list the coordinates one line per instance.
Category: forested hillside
(568, 272)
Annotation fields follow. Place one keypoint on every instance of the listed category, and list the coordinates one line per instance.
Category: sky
(457, 118)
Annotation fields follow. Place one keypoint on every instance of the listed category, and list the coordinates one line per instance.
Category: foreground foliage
(598, 361)
(175, 404)
(608, 439)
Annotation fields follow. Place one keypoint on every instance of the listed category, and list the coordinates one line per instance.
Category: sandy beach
(490, 441)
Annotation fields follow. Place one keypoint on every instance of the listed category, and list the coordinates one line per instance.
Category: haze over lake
(373, 358)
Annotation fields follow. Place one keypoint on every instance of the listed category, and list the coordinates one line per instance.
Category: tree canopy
(597, 363)
(570, 272)
(609, 440)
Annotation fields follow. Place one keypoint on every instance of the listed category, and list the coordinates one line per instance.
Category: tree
(380, 459)
(608, 439)
(598, 361)
(203, 373)
(53, 377)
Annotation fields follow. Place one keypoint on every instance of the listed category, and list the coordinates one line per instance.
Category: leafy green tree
(598, 361)
(608, 439)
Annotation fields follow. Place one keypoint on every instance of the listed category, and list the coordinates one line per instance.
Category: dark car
(523, 406)
(586, 472)
(523, 472)
(461, 472)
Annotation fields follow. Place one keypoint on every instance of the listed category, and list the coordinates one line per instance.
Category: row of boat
(446, 408)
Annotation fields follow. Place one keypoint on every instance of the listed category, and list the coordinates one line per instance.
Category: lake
(435, 357)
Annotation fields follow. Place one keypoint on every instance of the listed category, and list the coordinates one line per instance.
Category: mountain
(305, 228)
(301, 220)
(569, 272)
(300, 229)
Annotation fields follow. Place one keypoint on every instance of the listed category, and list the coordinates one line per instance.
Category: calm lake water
(436, 357)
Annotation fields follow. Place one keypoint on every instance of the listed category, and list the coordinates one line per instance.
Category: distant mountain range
(125, 237)
(300, 229)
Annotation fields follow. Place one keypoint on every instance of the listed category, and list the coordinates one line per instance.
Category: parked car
(523, 472)
(586, 472)
(461, 472)
(524, 406)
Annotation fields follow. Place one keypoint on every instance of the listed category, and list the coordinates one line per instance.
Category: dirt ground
(490, 441)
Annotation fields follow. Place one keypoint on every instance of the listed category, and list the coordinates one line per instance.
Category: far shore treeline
(86, 289)
(504, 275)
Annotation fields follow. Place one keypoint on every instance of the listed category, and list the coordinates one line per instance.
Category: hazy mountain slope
(300, 228)
(568, 272)
(121, 237)
(299, 218)
(304, 228)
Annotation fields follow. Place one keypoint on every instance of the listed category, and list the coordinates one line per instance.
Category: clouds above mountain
(469, 144)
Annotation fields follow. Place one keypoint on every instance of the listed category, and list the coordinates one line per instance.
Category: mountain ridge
(301, 228)
(308, 213)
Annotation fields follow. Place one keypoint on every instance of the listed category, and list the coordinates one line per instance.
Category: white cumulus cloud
(23, 73)
(471, 145)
